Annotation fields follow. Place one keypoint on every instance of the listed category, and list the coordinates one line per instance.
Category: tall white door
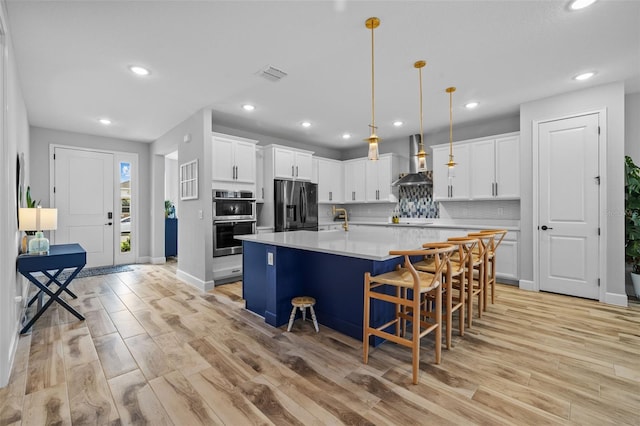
(83, 182)
(569, 206)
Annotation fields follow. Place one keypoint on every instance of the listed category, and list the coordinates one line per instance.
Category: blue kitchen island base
(273, 275)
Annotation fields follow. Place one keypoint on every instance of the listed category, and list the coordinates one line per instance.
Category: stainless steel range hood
(414, 177)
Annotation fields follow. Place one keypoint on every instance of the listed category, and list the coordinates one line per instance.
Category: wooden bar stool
(475, 284)
(302, 303)
(497, 234)
(454, 279)
(409, 285)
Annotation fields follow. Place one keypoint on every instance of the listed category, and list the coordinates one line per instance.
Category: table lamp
(38, 219)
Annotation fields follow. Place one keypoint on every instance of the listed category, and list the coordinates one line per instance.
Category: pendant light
(422, 156)
(451, 164)
(373, 139)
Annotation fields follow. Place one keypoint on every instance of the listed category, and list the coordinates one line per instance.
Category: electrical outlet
(500, 211)
(200, 214)
(270, 258)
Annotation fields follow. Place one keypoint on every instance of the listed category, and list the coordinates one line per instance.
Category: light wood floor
(155, 351)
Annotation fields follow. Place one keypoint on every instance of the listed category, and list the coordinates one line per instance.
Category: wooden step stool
(303, 302)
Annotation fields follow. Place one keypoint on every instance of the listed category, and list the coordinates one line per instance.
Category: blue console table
(60, 257)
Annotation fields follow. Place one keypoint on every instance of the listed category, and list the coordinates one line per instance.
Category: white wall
(611, 98)
(632, 126)
(195, 233)
(14, 132)
(41, 139)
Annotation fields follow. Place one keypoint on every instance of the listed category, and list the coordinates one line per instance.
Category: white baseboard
(616, 299)
(527, 285)
(195, 282)
(158, 260)
(5, 370)
(143, 259)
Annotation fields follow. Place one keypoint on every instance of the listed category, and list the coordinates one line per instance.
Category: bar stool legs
(303, 303)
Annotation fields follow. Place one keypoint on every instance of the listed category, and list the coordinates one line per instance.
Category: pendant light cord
(373, 108)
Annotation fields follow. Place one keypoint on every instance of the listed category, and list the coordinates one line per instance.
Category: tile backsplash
(417, 201)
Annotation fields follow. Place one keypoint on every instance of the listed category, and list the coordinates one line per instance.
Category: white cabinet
(507, 260)
(487, 169)
(259, 174)
(290, 164)
(447, 188)
(379, 177)
(281, 162)
(354, 180)
(332, 227)
(330, 181)
(508, 167)
(233, 159)
(495, 172)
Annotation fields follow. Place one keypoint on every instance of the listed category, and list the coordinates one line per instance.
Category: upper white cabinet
(487, 169)
(380, 175)
(495, 172)
(456, 187)
(259, 174)
(292, 164)
(330, 181)
(508, 167)
(234, 159)
(354, 180)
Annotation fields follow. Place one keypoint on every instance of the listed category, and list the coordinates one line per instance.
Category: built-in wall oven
(234, 213)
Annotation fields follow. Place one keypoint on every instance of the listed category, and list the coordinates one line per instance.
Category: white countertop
(363, 244)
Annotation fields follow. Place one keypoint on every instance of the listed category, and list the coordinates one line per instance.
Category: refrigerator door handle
(303, 204)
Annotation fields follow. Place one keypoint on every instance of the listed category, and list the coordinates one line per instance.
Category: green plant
(125, 246)
(632, 214)
(169, 209)
(31, 203)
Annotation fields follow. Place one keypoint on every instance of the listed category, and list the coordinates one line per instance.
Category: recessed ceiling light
(581, 4)
(305, 124)
(105, 121)
(471, 105)
(346, 136)
(248, 107)
(138, 70)
(584, 76)
(398, 123)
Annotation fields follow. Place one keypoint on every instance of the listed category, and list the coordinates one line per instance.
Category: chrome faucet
(335, 210)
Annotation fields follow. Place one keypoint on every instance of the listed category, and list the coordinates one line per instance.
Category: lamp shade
(38, 219)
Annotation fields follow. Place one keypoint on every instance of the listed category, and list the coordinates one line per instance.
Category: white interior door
(569, 206)
(83, 182)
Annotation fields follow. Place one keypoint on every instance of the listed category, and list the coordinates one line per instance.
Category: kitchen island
(328, 266)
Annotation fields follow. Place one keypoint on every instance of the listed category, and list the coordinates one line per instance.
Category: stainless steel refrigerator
(296, 205)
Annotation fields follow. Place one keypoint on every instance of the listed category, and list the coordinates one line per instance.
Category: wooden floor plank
(136, 402)
(90, 400)
(114, 355)
(181, 401)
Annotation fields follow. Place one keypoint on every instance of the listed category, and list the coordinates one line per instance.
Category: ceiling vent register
(272, 73)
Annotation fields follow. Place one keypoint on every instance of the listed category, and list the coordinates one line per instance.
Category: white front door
(83, 195)
(569, 206)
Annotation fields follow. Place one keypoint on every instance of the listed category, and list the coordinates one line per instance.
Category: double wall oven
(234, 213)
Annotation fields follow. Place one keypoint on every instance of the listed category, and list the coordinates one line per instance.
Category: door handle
(545, 227)
(110, 223)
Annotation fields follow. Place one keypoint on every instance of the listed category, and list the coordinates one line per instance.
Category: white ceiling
(72, 59)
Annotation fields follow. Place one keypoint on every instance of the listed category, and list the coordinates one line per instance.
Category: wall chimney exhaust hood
(413, 177)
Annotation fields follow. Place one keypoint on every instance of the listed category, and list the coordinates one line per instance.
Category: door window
(125, 207)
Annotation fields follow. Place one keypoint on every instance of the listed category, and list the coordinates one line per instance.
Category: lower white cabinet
(507, 260)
